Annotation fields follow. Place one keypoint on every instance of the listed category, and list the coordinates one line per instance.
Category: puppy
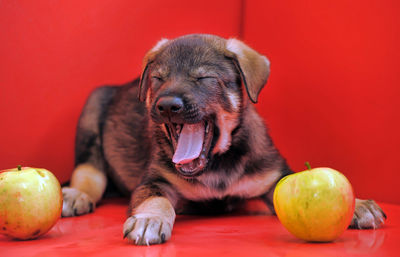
(185, 138)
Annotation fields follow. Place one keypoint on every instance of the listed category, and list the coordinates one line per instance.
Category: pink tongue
(190, 143)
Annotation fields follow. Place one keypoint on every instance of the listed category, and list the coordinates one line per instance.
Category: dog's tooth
(178, 129)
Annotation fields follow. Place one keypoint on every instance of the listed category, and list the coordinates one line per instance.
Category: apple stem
(19, 167)
(308, 165)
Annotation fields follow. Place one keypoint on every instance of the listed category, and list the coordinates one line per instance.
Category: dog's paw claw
(75, 202)
(367, 215)
(147, 230)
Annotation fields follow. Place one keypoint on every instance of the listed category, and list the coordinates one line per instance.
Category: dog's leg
(86, 189)
(367, 215)
(268, 197)
(152, 217)
(88, 180)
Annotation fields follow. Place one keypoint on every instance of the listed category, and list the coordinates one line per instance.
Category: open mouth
(191, 144)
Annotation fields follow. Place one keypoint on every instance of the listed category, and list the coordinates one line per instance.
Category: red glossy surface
(100, 234)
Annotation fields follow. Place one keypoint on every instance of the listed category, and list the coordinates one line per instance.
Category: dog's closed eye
(158, 78)
(201, 79)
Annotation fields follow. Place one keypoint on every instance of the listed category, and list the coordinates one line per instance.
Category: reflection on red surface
(100, 234)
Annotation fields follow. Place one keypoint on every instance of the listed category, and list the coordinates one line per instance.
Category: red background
(331, 98)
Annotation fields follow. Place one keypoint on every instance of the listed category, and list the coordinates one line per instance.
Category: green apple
(315, 205)
(30, 202)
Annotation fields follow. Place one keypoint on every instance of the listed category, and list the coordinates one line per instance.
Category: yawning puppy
(186, 138)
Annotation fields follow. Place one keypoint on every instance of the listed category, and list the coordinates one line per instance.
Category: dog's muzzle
(191, 140)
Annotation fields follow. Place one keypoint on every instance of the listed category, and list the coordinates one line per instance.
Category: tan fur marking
(248, 186)
(234, 99)
(226, 122)
(159, 44)
(235, 46)
(254, 67)
(89, 180)
(256, 185)
(148, 99)
(153, 52)
(157, 206)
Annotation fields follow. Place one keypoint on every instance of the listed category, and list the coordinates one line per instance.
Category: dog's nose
(169, 106)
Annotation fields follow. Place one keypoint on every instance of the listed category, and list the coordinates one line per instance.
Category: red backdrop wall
(331, 98)
(53, 53)
(333, 94)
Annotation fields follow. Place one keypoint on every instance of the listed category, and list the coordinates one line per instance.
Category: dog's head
(196, 87)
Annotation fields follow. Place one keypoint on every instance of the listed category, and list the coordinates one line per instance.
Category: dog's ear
(252, 67)
(147, 60)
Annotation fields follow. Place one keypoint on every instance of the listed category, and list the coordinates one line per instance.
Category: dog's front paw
(147, 229)
(367, 215)
(75, 202)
